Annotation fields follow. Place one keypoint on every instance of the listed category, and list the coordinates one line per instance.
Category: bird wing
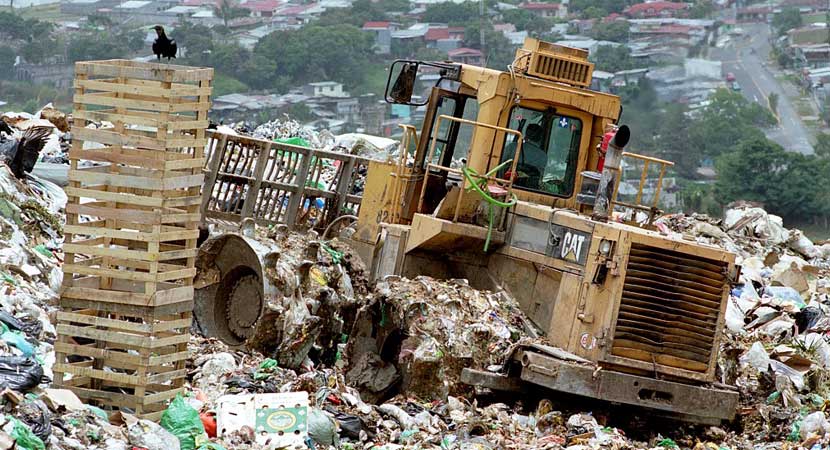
(28, 150)
(173, 48)
(5, 128)
(156, 47)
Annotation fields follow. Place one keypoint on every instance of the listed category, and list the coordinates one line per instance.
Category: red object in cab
(603, 148)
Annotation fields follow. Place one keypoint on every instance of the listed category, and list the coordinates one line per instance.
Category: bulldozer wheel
(242, 306)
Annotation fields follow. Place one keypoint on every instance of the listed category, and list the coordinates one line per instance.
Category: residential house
(466, 55)
(324, 89)
(812, 55)
(582, 26)
(262, 8)
(414, 36)
(811, 34)
(547, 10)
(383, 35)
(444, 38)
(85, 7)
(805, 5)
(657, 9)
(754, 13)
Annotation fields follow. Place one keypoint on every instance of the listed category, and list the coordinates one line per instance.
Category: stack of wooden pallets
(134, 192)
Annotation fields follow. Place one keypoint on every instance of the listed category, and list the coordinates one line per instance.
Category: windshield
(548, 159)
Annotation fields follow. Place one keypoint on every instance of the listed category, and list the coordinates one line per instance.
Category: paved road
(746, 57)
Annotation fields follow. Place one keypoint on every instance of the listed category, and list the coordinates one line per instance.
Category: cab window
(550, 150)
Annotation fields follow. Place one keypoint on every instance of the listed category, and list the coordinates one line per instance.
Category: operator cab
(493, 139)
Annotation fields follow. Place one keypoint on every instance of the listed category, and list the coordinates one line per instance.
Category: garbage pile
(776, 349)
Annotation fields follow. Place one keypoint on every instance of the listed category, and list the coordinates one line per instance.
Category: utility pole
(481, 29)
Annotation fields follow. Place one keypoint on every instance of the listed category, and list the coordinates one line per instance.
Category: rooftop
(377, 25)
(540, 6)
(261, 5)
(656, 7)
(133, 4)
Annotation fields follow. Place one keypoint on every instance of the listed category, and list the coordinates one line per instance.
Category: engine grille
(669, 308)
(561, 68)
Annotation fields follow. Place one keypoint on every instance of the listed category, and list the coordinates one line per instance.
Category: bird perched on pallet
(22, 152)
(163, 46)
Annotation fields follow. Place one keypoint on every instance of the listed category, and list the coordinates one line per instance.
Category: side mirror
(401, 90)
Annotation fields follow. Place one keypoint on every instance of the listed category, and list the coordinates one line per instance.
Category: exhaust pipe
(610, 171)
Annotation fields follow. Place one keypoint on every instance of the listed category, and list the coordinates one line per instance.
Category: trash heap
(777, 321)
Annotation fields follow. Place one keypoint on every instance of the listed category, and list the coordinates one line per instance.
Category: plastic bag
(23, 437)
(36, 416)
(19, 342)
(19, 373)
(183, 421)
(322, 428)
(10, 321)
(149, 435)
(815, 423)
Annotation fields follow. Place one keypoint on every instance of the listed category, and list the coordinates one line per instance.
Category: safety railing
(279, 183)
(651, 209)
(468, 175)
(403, 174)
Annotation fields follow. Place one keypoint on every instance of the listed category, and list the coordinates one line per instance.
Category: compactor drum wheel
(229, 297)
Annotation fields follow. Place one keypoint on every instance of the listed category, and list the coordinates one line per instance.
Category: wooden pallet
(132, 223)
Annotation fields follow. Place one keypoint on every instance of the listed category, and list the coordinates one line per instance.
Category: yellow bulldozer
(513, 182)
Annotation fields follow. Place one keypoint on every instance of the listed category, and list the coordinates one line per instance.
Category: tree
(613, 58)
(499, 52)
(451, 13)
(822, 147)
(608, 6)
(616, 31)
(7, 56)
(315, 53)
(197, 41)
(228, 10)
(773, 102)
(99, 20)
(738, 172)
(592, 12)
(702, 9)
(523, 19)
(786, 20)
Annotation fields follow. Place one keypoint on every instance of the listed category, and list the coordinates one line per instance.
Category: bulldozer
(513, 183)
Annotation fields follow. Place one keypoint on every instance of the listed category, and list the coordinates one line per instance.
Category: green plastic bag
(298, 141)
(23, 436)
(183, 421)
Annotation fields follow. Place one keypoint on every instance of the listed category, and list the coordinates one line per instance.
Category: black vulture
(163, 47)
(22, 154)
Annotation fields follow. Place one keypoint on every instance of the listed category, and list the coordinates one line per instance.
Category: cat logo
(571, 248)
(568, 244)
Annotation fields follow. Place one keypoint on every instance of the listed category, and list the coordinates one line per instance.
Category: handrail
(652, 209)
(509, 183)
(410, 134)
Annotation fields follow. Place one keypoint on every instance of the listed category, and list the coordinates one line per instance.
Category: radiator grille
(562, 69)
(669, 308)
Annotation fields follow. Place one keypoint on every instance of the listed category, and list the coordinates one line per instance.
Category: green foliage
(699, 197)
(773, 102)
(792, 185)
(197, 40)
(616, 31)
(299, 111)
(729, 119)
(608, 6)
(228, 10)
(786, 20)
(526, 20)
(592, 12)
(822, 147)
(499, 52)
(7, 56)
(613, 58)
(451, 13)
(224, 84)
(702, 9)
(99, 20)
(18, 28)
(315, 53)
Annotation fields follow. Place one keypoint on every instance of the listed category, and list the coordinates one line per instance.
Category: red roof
(376, 25)
(295, 9)
(540, 6)
(261, 5)
(656, 7)
(612, 17)
(464, 51)
(434, 34)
